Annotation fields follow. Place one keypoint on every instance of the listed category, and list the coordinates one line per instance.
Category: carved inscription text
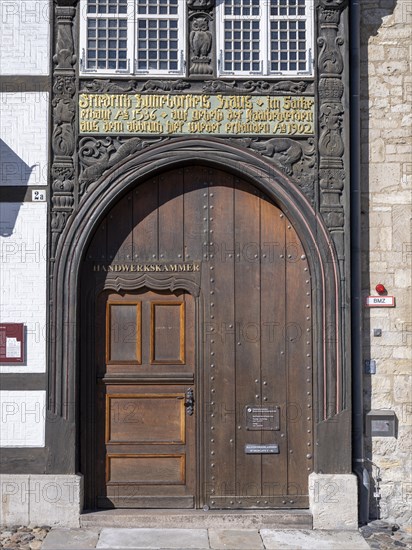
(172, 114)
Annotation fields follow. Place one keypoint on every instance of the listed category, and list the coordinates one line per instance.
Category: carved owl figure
(200, 37)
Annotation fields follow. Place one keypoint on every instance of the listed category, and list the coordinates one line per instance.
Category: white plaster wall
(23, 278)
(24, 138)
(24, 37)
(22, 418)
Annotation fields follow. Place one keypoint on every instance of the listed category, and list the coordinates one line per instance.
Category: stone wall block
(56, 499)
(333, 501)
(41, 499)
(402, 389)
(14, 501)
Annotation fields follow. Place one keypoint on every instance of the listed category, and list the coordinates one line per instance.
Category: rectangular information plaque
(189, 114)
(11, 343)
(271, 449)
(262, 418)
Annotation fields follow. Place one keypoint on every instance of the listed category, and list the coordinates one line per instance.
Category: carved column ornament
(64, 114)
(331, 143)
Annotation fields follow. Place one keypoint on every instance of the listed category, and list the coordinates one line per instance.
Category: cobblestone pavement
(379, 534)
(23, 538)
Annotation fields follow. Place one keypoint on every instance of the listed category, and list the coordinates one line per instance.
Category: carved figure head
(200, 24)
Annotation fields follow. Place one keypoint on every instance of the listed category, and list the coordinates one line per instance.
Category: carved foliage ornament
(103, 86)
(64, 112)
(260, 86)
(331, 114)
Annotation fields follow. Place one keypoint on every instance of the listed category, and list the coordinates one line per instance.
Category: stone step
(198, 519)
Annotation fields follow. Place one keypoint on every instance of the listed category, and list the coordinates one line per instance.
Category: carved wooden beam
(64, 114)
(331, 111)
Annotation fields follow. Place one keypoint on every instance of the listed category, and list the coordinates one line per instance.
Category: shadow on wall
(373, 15)
(14, 172)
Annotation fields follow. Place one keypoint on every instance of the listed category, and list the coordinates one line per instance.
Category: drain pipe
(356, 282)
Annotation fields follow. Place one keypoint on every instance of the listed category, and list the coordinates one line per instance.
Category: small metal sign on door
(262, 418)
(271, 449)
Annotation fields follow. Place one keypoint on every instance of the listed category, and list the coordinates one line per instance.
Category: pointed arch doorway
(196, 349)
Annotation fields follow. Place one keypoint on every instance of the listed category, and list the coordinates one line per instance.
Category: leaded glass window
(265, 37)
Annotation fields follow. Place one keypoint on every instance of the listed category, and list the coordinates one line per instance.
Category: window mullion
(131, 36)
(265, 37)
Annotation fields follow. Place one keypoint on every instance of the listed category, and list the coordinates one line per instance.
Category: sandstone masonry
(387, 243)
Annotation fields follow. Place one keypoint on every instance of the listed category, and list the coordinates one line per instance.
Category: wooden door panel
(219, 337)
(145, 221)
(140, 418)
(146, 469)
(247, 350)
(256, 298)
(124, 333)
(170, 212)
(273, 358)
(167, 333)
(299, 354)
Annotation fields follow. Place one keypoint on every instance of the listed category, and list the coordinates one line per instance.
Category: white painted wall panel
(24, 37)
(23, 277)
(22, 421)
(24, 138)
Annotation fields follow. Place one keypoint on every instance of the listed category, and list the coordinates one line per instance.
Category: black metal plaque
(262, 418)
(252, 449)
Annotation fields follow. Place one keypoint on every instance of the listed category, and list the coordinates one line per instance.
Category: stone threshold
(198, 519)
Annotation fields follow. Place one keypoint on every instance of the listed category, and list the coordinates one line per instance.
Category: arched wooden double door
(197, 358)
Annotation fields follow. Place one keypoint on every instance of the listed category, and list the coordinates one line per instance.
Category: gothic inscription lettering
(149, 268)
(172, 114)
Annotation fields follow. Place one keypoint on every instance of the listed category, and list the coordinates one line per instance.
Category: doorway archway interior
(196, 352)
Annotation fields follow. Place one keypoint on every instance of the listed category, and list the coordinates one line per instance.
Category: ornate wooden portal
(197, 292)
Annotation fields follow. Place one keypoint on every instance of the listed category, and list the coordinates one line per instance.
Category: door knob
(189, 402)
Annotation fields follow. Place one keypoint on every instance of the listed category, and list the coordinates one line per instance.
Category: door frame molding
(330, 325)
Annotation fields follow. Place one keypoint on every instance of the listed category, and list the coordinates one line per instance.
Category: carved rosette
(63, 137)
(331, 111)
(200, 18)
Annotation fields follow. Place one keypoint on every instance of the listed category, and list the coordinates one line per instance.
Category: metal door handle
(189, 402)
